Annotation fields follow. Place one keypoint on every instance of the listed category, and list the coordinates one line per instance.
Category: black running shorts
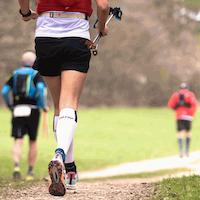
(184, 125)
(55, 55)
(26, 125)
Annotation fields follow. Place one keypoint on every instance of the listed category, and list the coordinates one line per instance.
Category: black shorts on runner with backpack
(25, 111)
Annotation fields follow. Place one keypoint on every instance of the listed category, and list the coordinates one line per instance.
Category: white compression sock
(55, 122)
(70, 154)
(66, 126)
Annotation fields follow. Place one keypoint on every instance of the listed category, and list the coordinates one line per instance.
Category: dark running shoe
(56, 173)
(16, 174)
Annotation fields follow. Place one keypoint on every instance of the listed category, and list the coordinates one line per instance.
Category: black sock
(30, 170)
(70, 167)
(187, 144)
(180, 145)
(16, 164)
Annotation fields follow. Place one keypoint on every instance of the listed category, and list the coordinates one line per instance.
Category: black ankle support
(70, 167)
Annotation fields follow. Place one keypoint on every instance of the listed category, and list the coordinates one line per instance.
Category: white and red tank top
(63, 27)
(82, 6)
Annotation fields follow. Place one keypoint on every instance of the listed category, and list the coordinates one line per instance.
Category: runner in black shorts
(28, 89)
(63, 56)
(26, 125)
(184, 125)
(184, 103)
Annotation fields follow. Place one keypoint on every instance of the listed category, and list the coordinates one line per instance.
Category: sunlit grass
(104, 137)
(186, 188)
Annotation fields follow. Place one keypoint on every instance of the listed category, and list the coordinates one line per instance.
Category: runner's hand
(103, 31)
(33, 15)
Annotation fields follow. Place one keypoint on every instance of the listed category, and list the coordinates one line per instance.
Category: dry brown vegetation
(141, 62)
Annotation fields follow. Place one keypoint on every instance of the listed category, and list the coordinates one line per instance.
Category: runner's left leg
(70, 167)
(16, 154)
(56, 166)
(180, 136)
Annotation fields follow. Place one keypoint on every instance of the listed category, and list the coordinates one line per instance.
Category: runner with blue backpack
(25, 94)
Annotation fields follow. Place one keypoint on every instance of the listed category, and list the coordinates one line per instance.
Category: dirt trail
(107, 190)
(192, 163)
(123, 189)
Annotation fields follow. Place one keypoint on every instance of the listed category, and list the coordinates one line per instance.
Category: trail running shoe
(71, 180)
(56, 173)
(16, 173)
(29, 177)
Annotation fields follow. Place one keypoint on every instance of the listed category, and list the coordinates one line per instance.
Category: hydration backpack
(182, 102)
(23, 85)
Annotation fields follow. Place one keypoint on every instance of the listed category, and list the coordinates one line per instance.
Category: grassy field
(186, 188)
(105, 137)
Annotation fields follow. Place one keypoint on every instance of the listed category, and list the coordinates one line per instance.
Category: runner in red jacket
(184, 103)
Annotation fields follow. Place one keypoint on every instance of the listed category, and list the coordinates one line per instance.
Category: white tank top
(62, 27)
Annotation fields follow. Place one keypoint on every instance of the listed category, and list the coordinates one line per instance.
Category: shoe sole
(29, 179)
(16, 176)
(57, 187)
(70, 187)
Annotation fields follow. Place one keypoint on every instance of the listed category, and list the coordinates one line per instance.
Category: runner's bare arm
(102, 13)
(26, 11)
(24, 6)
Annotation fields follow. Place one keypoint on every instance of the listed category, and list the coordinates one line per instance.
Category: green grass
(186, 188)
(104, 137)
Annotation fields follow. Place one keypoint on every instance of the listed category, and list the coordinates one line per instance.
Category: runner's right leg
(71, 170)
(71, 86)
(72, 83)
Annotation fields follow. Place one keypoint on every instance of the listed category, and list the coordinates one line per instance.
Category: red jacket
(83, 6)
(186, 111)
